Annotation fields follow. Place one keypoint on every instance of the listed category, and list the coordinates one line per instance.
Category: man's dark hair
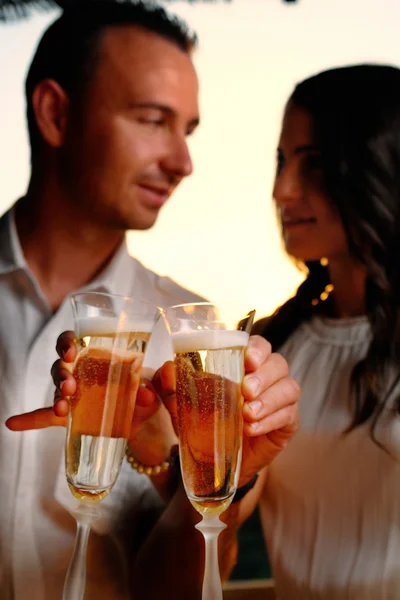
(68, 49)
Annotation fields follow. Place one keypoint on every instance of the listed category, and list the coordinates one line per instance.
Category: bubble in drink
(210, 369)
(107, 373)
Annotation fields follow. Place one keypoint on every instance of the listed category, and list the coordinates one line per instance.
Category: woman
(330, 507)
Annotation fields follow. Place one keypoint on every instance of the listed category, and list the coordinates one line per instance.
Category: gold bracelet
(156, 469)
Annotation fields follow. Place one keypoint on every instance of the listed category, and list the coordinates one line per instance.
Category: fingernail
(62, 384)
(254, 427)
(63, 351)
(255, 355)
(254, 351)
(253, 384)
(255, 406)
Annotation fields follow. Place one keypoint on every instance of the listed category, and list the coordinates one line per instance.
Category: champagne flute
(209, 357)
(111, 333)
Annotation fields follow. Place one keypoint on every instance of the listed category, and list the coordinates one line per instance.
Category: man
(112, 95)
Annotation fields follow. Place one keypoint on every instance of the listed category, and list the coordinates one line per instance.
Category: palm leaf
(11, 10)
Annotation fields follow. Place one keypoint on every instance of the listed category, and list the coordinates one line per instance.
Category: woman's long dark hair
(356, 113)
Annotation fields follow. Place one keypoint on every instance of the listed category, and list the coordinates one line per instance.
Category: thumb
(143, 398)
(165, 383)
(147, 403)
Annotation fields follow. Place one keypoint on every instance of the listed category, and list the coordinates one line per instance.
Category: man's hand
(151, 435)
(270, 409)
(146, 405)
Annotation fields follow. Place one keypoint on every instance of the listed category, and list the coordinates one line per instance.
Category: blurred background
(218, 233)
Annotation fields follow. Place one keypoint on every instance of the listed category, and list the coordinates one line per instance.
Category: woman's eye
(280, 163)
(314, 161)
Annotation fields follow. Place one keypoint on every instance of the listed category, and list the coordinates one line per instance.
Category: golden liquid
(210, 423)
(107, 373)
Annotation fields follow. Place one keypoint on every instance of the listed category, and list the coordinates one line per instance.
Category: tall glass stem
(211, 527)
(75, 581)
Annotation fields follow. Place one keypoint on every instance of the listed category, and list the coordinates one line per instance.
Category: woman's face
(311, 225)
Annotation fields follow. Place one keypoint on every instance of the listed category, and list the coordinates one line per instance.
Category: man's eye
(155, 122)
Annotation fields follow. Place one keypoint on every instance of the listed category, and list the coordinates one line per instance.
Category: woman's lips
(292, 223)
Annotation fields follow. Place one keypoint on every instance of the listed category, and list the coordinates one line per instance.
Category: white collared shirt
(36, 530)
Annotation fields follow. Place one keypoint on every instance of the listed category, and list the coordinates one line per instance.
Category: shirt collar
(11, 254)
(116, 278)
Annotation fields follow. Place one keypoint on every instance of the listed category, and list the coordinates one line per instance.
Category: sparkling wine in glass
(209, 343)
(111, 335)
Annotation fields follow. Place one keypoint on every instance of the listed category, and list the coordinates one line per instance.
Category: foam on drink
(208, 339)
(99, 326)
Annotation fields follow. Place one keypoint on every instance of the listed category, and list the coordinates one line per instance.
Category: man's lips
(156, 196)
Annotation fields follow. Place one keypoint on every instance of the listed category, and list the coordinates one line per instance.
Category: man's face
(125, 150)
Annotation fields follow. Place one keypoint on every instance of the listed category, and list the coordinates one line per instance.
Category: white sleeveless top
(331, 505)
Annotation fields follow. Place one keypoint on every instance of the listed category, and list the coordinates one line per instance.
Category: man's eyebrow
(165, 109)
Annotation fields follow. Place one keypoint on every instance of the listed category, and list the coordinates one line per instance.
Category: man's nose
(178, 160)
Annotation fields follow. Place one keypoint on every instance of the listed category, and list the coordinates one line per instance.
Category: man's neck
(63, 251)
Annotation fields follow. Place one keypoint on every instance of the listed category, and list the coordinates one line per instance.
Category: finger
(168, 384)
(256, 353)
(66, 346)
(37, 419)
(283, 393)
(284, 420)
(63, 379)
(164, 382)
(147, 407)
(134, 380)
(60, 407)
(271, 370)
(146, 395)
(147, 404)
(168, 377)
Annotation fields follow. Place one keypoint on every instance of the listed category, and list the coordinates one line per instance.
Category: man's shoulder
(5, 224)
(4, 217)
(162, 289)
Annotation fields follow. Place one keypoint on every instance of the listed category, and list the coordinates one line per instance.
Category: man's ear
(50, 106)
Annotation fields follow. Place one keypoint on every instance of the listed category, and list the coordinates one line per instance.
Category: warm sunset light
(218, 234)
